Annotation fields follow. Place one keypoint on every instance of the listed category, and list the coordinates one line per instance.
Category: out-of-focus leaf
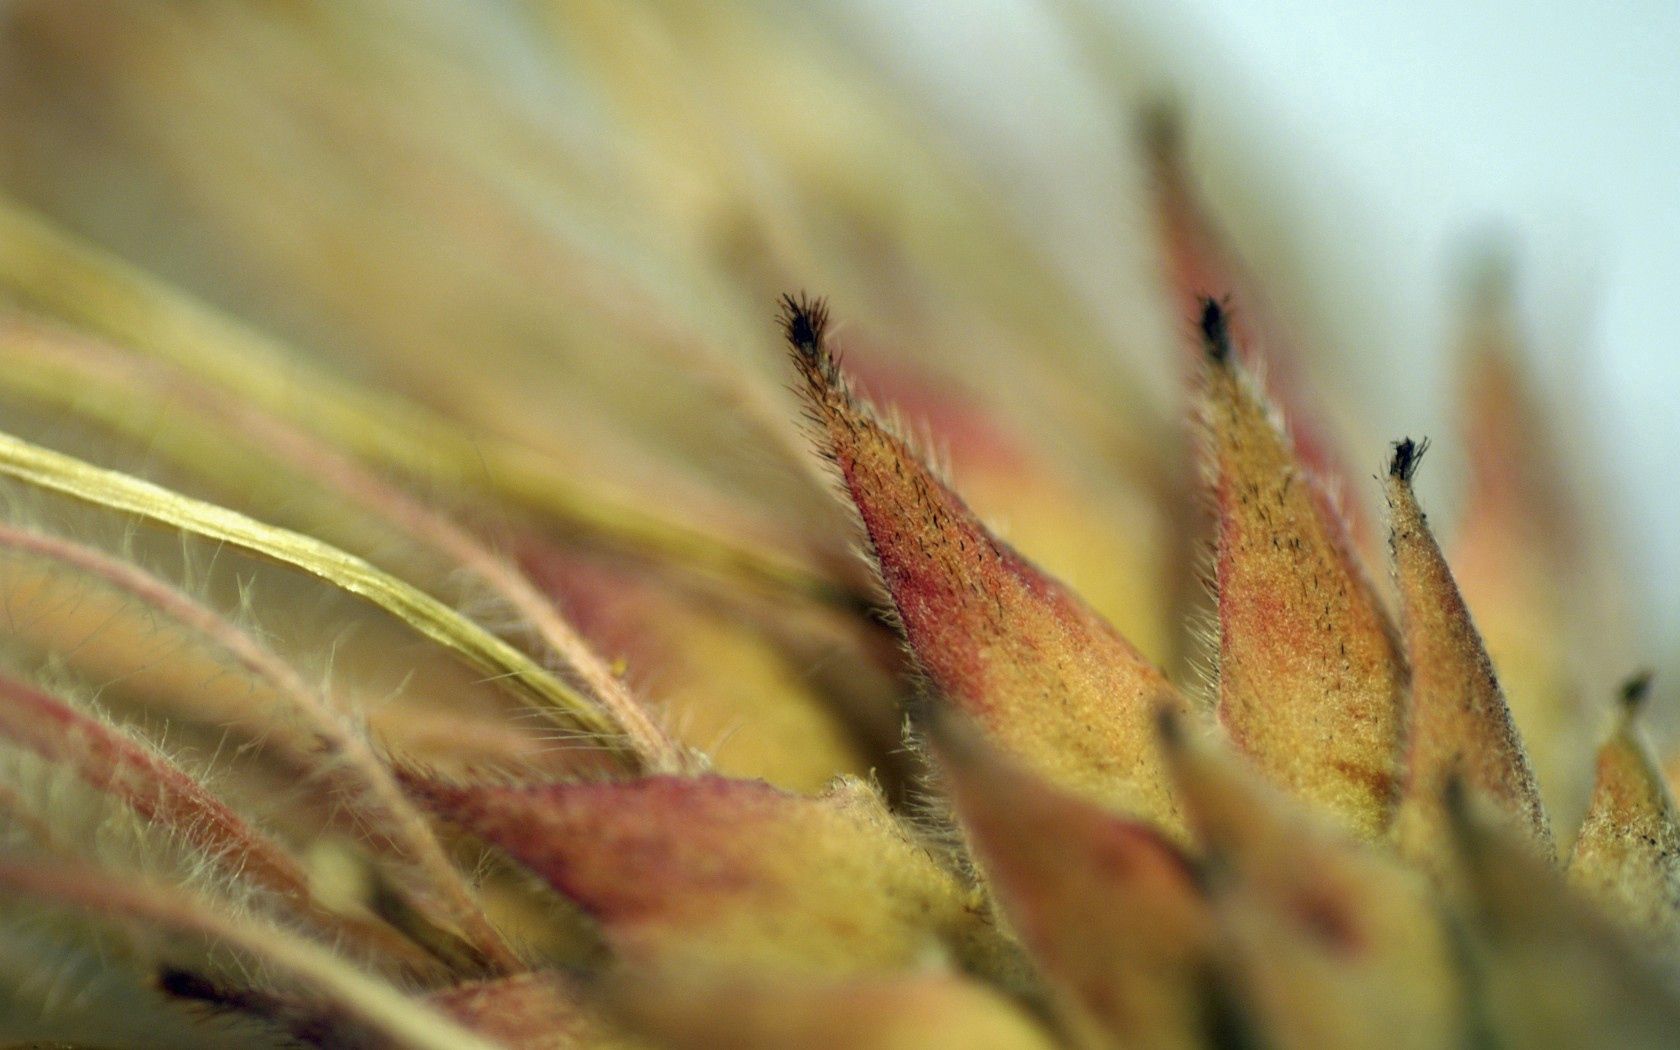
(1627, 854)
(718, 682)
(533, 1011)
(1136, 971)
(1551, 970)
(909, 1012)
(709, 872)
(1201, 266)
(1327, 941)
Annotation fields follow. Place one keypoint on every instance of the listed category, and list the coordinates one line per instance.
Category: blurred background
(1373, 148)
(562, 225)
(484, 292)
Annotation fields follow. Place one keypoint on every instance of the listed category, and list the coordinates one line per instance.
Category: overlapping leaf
(998, 640)
(1310, 680)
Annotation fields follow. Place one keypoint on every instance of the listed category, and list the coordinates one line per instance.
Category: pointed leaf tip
(804, 321)
(997, 638)
(1160, 129)
(1205, 276)
(1407, 455)
(1310, 680)
(1627, 855)
(1459, 722)
(1214, 323)
(1635, 691)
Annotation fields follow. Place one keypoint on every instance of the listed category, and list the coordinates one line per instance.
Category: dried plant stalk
(69, 279)
(112, 490)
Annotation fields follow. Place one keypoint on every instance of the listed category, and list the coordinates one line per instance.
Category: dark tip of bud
(1634, 692)
(1490, 268)
(1169, 727)
(1461, 822)
(1407, 455)
(1454, 797)
(184, 984)
(1161, 128)
(1216, 333)
(179, 983)
(804, 321)
(927, 713)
